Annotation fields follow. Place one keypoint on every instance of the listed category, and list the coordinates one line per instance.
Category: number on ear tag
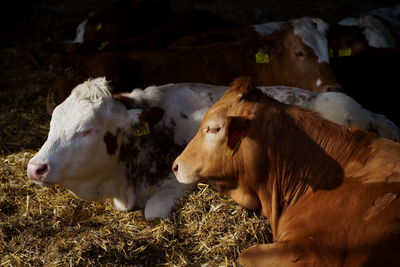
(142, 129)
(104, 45)
(262, 57)
(99, 26)
(344, 52)
(230, 152)
(331, 54)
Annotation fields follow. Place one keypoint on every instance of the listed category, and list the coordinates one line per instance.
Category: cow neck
(144, 171)
(305, 154)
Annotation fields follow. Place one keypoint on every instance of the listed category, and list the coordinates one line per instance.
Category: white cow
(98, 148)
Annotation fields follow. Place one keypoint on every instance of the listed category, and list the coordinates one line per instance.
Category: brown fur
(330, 193)
(215, 64)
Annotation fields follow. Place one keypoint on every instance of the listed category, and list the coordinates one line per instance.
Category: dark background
(55, 20)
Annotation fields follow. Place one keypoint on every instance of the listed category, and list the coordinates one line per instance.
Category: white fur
(376, 32)
(312, 32)
(194, 101)
(179, 101)
(267, 28)
(80, 32)
(390, 15)
(344, 110)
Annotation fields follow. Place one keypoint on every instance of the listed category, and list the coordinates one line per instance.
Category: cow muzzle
(182, 174)
(37, 171)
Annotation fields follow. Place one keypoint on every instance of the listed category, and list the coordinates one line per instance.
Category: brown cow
(296, 55)
(330, 192)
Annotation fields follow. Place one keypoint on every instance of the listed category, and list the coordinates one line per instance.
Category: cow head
(346, 40)
(304, 53)
(214, 155)
(82, 151)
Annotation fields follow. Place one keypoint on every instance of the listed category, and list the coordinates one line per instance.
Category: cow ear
(237, 128)
(125, 100)
(151, 115)
(242, 86)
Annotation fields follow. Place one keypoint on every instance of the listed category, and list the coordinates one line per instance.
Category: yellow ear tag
(331, 54)
(345, 52)
(262, 57)
(103, 45)
(99, 26)
(230, 152)
(142, 129)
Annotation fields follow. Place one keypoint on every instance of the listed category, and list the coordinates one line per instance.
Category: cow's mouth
(41, 183)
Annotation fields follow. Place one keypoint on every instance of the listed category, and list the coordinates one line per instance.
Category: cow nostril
(37, 171)
(42, 169)
(175, 168)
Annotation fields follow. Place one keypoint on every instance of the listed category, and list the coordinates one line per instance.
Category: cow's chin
(41, 183)
(87, 195)
(188, 180)
(219, 185)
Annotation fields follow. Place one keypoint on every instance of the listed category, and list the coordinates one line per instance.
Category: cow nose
(36, 171)
(175, 167)
(332, 88)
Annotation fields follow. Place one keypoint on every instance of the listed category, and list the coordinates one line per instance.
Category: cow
(375, 32)
(121, 21)
(122, 28)
(232, 34)
(296, 55)
(99, 149)
(190, 21)
(104, 125)
(330, 192)
(379, 28)
(345, 40)
(334, 106)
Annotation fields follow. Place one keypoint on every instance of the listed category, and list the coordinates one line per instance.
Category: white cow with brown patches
(98, 149)
(192, 100)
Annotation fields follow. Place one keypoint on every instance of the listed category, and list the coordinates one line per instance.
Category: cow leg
(275, 254)
(288, 254)
(162, 202)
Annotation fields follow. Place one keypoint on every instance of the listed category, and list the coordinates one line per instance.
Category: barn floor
(49, 226)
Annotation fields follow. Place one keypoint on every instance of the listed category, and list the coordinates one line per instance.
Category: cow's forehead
(312, 37)
(74, 113)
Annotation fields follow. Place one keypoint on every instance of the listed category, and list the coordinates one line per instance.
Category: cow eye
(83, 133)
(299, 53)
(213, 130)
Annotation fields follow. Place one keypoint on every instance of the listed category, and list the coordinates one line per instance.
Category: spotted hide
(98, 149)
